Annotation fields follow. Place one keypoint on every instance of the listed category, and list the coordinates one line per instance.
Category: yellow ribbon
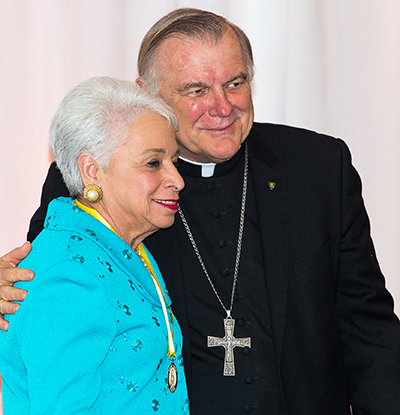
(94, 213)
(143, 256)
(146, 261)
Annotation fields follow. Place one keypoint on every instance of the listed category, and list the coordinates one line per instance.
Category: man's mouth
(218, 129)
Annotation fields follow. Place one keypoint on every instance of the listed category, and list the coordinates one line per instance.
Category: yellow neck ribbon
(146, 262)
(94, 213)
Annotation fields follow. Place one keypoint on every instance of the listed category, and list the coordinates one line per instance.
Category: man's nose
(220, 105)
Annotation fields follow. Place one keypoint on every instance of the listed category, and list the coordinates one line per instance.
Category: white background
(327, 65)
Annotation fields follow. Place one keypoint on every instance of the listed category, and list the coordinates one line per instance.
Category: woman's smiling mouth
(170, 204)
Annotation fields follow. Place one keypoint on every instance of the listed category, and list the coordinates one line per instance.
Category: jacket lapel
(271, 203)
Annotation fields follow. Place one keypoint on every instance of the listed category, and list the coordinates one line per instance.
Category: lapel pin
(271, 185)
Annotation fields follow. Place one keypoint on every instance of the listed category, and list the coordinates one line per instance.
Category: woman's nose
(175, 179)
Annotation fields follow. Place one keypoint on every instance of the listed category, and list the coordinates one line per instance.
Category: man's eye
(197, 92)
(153, 164)
(176, 164)
(234, 84)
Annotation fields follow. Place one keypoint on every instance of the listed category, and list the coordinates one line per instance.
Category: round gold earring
(92, 193)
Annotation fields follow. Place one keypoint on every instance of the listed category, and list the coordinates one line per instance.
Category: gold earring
(92, 193)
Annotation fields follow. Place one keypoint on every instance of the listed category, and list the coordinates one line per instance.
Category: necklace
(229, 342)
(172, 374)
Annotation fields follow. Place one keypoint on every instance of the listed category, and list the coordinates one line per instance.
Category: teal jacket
(90, 337)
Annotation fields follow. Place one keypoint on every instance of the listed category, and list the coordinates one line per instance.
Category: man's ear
(141, 83)
(89, 169)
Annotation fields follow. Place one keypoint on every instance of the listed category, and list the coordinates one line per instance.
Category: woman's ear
(89, 169)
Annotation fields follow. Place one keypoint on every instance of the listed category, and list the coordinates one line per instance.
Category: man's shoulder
(287, 133)
(297, 149)
(288, 140)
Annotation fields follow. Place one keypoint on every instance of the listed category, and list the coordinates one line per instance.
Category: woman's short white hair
(94, 118)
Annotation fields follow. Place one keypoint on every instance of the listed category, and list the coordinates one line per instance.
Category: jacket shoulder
(279, 134)
(292, 143)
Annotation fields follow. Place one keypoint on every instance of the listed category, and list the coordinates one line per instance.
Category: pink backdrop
(332, 66)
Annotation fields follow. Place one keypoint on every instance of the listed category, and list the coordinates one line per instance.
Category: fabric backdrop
(330, 66)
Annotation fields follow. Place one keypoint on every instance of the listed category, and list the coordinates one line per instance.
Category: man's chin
(225, 151)
(221, 155)
(212, 149)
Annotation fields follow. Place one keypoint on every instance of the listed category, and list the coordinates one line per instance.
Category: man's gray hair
(94, 118)
(190, 23)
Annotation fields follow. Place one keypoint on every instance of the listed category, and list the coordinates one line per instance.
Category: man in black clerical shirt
(270, 264)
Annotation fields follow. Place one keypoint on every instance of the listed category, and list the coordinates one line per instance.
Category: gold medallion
(172, 377)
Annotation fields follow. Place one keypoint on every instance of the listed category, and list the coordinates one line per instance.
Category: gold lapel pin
(271, 185)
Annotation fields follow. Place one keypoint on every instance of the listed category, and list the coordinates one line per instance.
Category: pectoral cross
(229, 342)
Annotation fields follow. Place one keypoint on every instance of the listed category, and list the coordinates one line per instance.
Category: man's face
(208, 87)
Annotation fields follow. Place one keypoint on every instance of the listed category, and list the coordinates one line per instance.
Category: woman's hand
(9, 275)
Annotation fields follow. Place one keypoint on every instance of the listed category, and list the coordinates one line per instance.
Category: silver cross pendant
(229, 342)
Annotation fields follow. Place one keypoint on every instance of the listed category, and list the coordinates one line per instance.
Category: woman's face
(141, 184)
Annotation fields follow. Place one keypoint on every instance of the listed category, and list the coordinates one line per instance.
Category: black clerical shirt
(212, 210)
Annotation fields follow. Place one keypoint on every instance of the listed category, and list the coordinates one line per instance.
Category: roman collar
(193, 169)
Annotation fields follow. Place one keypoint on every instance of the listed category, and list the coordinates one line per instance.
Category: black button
(246, 351)
(225, 272)
(249, 380)
(238, 297)
(241, 322)
(222, 243)
(216, 214)
(247, 409)
(210, 186)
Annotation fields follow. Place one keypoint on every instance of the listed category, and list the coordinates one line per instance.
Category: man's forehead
(181, 49)
(185, 65)
(180, 40)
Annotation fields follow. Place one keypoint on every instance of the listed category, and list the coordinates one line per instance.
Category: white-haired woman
(96, 333)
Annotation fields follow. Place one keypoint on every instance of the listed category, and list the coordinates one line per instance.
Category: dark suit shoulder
(282, 135)
(292, 144)
(53, 187)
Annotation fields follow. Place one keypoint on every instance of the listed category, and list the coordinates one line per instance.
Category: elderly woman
(96, 333)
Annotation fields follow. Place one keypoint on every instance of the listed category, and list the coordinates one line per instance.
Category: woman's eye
(176, 163)
(153, 164)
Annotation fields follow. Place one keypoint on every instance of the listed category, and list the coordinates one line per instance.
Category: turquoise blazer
(90, 337)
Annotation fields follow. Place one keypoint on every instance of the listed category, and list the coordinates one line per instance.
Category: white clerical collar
(207, 169)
